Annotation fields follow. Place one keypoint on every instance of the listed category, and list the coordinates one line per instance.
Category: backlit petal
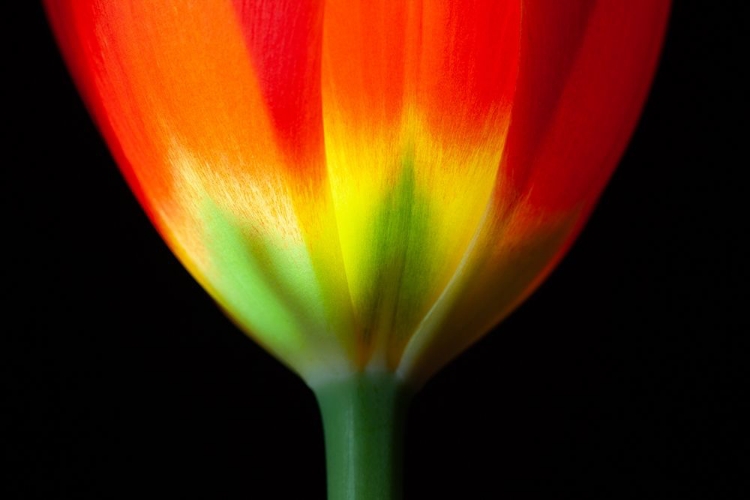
(416, 97)
(177, 94)
(585, 69)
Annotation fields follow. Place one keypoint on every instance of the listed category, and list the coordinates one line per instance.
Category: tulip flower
(364, 187)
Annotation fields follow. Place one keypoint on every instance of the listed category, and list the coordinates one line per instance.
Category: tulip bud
(365, 188)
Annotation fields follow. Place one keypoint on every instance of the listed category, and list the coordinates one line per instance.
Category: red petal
(466, 67)
(585, 71)
(284, 38)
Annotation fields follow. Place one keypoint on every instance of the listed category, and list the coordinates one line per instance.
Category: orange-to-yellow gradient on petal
(364, 185)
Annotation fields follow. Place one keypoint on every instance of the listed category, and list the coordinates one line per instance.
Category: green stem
(363, 419)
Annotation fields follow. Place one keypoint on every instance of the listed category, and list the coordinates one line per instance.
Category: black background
(619, 378)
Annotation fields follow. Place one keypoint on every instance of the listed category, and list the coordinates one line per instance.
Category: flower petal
(584, 73)
(180, 101)
(415, 106)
